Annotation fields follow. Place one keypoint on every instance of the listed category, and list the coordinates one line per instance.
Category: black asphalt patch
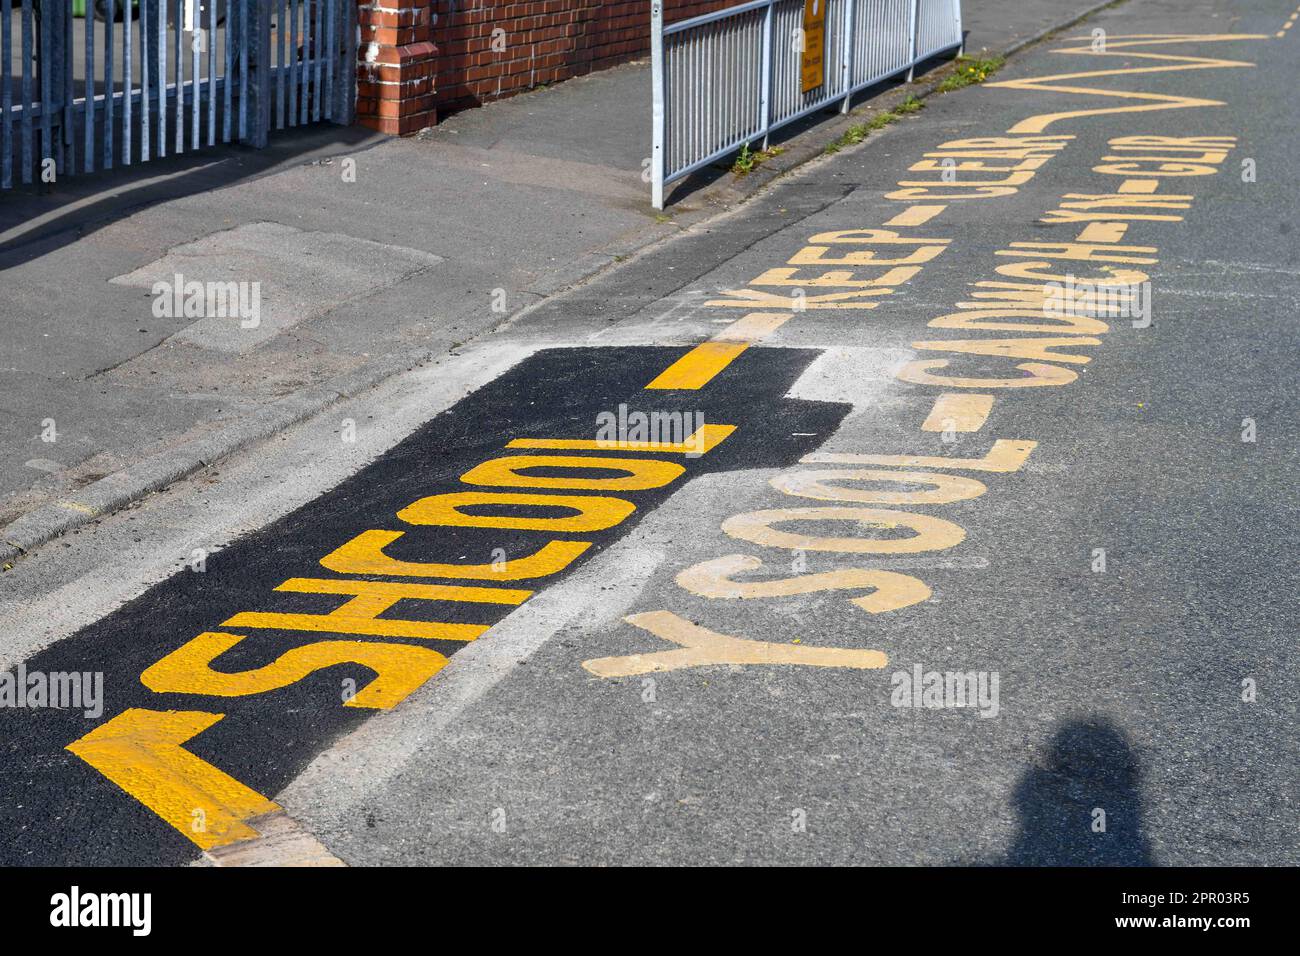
(59, 810)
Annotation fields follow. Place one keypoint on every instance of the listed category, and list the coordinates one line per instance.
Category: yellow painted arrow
(141, 751)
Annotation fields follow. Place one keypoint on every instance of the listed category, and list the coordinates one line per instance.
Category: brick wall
(539, 42)
(396, 62)
(422, 57)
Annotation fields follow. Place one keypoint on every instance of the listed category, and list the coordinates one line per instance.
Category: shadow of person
(1090, 769)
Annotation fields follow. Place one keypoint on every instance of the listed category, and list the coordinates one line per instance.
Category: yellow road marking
(1005, 455)
(1139, 186)
(823, 485)
(1038, 374)
(141, 751)
(511, 472)
(753, 327)
(932, 534)
(1103, 232)
(916, 215)
(890, 590)
(1071, 250)
(364, 554)
(1119, 47)
(703, 439)
(74, 506)
(360, 615)
(698, 367)
(700, 646)
(595, 512)
(399, 669)
(958, 413)
(1038, 347)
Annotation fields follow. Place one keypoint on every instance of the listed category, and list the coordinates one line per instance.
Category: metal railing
(126, 81)
(726, 79)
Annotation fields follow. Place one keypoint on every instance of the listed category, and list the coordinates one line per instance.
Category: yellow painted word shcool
(143, 751)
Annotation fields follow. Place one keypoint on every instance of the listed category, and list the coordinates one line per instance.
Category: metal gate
(90, 84)
(731, 77)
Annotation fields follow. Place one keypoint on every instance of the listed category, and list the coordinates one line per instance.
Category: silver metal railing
(935, 23)
(729, 78)
(127, 81)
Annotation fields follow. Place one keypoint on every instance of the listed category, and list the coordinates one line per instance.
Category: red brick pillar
(396, 61)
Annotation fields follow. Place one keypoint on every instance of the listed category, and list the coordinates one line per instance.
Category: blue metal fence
(133, 80)
(729, 78)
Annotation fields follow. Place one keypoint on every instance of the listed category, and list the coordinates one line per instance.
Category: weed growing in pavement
(748, 160)
(970, 70)
(859, 131)
(909, 105)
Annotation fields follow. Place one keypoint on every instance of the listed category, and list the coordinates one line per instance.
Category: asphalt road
(1091, 513)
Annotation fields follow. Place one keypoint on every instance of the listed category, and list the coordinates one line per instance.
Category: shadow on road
(36, 219)
(1089, 765)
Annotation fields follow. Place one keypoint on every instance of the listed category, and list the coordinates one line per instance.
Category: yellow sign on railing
(813, 55)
